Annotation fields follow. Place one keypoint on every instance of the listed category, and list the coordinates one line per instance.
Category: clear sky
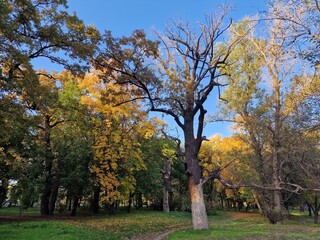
(124, 16)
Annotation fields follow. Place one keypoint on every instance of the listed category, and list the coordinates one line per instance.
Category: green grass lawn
(120, 226)
(147, 224)
(253, 227)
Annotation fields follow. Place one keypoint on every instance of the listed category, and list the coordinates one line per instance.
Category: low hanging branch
(288, 187)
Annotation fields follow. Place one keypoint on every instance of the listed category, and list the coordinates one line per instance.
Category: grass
(121, 226)
(254, 228)
(224, 225)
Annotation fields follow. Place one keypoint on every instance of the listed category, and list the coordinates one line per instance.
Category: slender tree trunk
(278, 214)
(221, 201)
(47, 189)
(139, 201)
(316, 209)
(74, 206)
(166, 185)
(69, 203)
(257, 200)
(95, 200)
(165, 205)
(309, 209)
(130, 201)
(3, 191)
(111, 208)
(277, 198)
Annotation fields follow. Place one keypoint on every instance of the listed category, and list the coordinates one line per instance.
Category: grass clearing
(252, 228)
(148, 224)
(123, 225)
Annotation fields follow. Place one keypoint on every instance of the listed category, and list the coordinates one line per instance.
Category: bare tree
(176, 80)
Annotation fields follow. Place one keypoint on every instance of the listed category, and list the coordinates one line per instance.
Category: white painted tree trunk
(198, 208)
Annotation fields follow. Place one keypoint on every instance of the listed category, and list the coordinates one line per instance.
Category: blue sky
(124, 16)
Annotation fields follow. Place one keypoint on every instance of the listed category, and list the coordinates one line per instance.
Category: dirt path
(162, 235)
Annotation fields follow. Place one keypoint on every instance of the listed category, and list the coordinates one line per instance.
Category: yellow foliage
(121, 126)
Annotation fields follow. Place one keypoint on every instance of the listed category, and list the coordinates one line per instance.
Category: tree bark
(166, 185)
(316, 209)
(45, 198)
(74, 206)
(95, 200)
(198, 208)
(192, 147)
(3, 190)
(130, 201)
(48, 162)
(139, 201)
(53, 197)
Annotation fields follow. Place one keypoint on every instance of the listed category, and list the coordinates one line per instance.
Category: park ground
(140, 225)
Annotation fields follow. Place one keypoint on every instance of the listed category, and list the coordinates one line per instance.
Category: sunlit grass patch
(139, 222)
(252, 227)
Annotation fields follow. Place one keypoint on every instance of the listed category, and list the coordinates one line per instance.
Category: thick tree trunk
(53, 197)
(192, 147)
(198, 208)
(45, 198)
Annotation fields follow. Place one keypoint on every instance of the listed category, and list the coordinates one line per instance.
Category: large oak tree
(175, 75)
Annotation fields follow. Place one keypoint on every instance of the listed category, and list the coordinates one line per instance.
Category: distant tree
(33, 30)
(260, 98)
(301, 25)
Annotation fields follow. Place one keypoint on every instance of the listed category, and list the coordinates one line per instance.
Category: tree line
(85, 132)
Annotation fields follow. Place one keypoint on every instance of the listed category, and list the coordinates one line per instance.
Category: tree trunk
(3, 191)
(257, 201)
(53, 197)
(165, 204)
(130, 201)
(139, 201)
(48, 162)
(198, 208)
(45, 198)
(309, 209)
(221, 200)
(277, 211)
(192, 147)
(111, 208)
(74, 206)
(95, 200)
(166, 185)
(316, 209)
